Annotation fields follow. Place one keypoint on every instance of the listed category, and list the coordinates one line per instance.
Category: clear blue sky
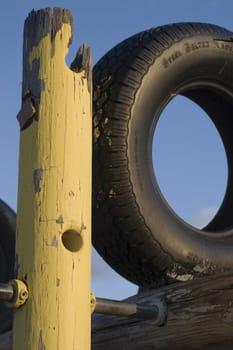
(194, 186)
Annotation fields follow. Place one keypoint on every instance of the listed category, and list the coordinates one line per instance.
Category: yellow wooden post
(54, 199)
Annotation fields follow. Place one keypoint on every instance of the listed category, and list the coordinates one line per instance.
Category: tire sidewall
(193, 61)
(7, 251)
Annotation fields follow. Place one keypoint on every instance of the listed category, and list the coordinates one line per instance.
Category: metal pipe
(156, 312)
(6, 292)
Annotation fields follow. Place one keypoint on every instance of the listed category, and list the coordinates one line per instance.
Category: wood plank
(200, 314)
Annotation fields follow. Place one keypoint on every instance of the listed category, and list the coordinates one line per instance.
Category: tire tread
(118, 225)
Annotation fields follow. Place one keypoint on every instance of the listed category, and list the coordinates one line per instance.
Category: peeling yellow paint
(57, 314)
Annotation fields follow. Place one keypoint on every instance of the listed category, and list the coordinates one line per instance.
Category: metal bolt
(20, 295)
(93, 302)
(23, 295)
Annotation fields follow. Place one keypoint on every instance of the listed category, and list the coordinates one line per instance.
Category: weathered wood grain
(200, 315)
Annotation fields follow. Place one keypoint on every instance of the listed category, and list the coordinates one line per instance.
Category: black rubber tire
(134, 229)
(7, 258)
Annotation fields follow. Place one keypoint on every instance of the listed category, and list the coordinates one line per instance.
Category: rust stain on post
(26, 113)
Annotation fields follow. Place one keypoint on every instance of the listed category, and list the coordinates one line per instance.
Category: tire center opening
(189, 161)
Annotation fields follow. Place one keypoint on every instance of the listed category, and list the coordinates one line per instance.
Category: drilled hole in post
(72, 240)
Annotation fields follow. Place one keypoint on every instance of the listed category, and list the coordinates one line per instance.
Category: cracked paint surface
(54, 192)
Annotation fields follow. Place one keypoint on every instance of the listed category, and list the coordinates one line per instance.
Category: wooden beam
(53, 244)
(200, 315)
